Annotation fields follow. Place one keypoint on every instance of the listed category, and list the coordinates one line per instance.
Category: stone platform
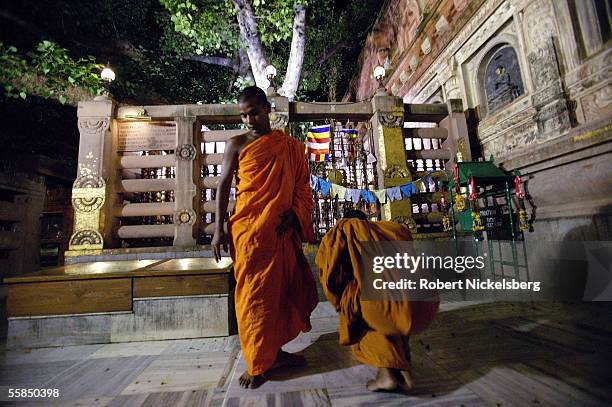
(120, 301)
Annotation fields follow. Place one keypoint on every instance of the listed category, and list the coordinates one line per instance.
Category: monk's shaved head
(355, 214)
(255, 95)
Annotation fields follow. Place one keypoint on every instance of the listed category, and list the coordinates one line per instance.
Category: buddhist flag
(351, 133)
(318, 142)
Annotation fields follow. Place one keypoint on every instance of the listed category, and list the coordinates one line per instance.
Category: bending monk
(275, 289)
(376, 331)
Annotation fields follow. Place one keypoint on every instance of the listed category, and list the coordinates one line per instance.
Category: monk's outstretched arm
(228, 167)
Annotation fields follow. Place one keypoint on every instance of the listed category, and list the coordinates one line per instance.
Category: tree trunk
(296, 56)
(248, 30)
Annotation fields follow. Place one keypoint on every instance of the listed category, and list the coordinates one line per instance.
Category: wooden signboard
(142, 136)
(496, 221)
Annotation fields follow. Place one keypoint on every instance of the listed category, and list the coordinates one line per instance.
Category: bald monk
(275, 290)
(376, 331)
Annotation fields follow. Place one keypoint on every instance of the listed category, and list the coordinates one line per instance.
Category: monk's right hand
(219, 240)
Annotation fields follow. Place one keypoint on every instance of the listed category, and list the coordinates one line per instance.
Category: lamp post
(270, 75)
(107, 75)
(379, 75)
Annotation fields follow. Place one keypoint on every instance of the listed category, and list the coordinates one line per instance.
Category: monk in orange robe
(376, 331)
(275, 290)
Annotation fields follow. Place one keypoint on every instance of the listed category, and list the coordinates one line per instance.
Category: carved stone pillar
(549, 99)
(392, 167)
(458, 140)
(185, 192)
(92, 191)
(279, 116)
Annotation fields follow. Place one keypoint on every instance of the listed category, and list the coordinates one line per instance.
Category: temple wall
(535, 74)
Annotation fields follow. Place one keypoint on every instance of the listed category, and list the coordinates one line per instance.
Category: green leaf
(62, 99)
(71, 79)
(22, 95)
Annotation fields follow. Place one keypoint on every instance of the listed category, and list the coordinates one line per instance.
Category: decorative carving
(486, 30)
(406, 221)
(441, 25)
(92, 126)
(597, 104)
(453, 47)
(88, 193)
(88, 181)
(396, 171)
(391, 119)
(185, 217)
(186, 152)
(395, 88)
(414, 63)
(539, 23)
(88, 204)
(426, 46)
(278, 120)
(86, 239)
(544, 67)
(591, 73)
(550, 100)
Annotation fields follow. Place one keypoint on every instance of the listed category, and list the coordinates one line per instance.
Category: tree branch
(206, 59)
(23, 24)
(296, 56)
(248, 30)
(37, 85)
(328, 54)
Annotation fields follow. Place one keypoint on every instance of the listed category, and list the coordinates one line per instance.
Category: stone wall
(547, 112)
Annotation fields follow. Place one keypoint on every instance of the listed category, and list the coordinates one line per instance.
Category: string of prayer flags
(352, 195)
(313, 181)
(381, 195)
(368, 196)
(394, 194)
(408, 189)
(334, 190)
(324, 186)
(338, 190)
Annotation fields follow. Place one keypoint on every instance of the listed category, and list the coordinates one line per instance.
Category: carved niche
(502, 79)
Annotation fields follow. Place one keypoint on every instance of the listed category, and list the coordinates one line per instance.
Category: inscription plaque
(139, 136)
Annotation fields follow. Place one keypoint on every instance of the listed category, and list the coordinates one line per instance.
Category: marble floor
(495, 354)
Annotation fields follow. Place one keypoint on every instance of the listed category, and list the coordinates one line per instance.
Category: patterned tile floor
(496, 354)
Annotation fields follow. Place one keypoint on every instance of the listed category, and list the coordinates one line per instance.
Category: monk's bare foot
(406, 383)
(251, 382)
(284, 359)
(385, 380)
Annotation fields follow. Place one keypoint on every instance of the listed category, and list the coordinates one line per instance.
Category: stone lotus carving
(86, 237)
(88, 193)
(87, 204)
(186, 152)
(93, 126)
(395, 171)
(89, 181)
(278, 120)
(406, 221)
(184, 217)
(391, 119)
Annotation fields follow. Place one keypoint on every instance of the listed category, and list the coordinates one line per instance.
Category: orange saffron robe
(275, 290)
(375, 330)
